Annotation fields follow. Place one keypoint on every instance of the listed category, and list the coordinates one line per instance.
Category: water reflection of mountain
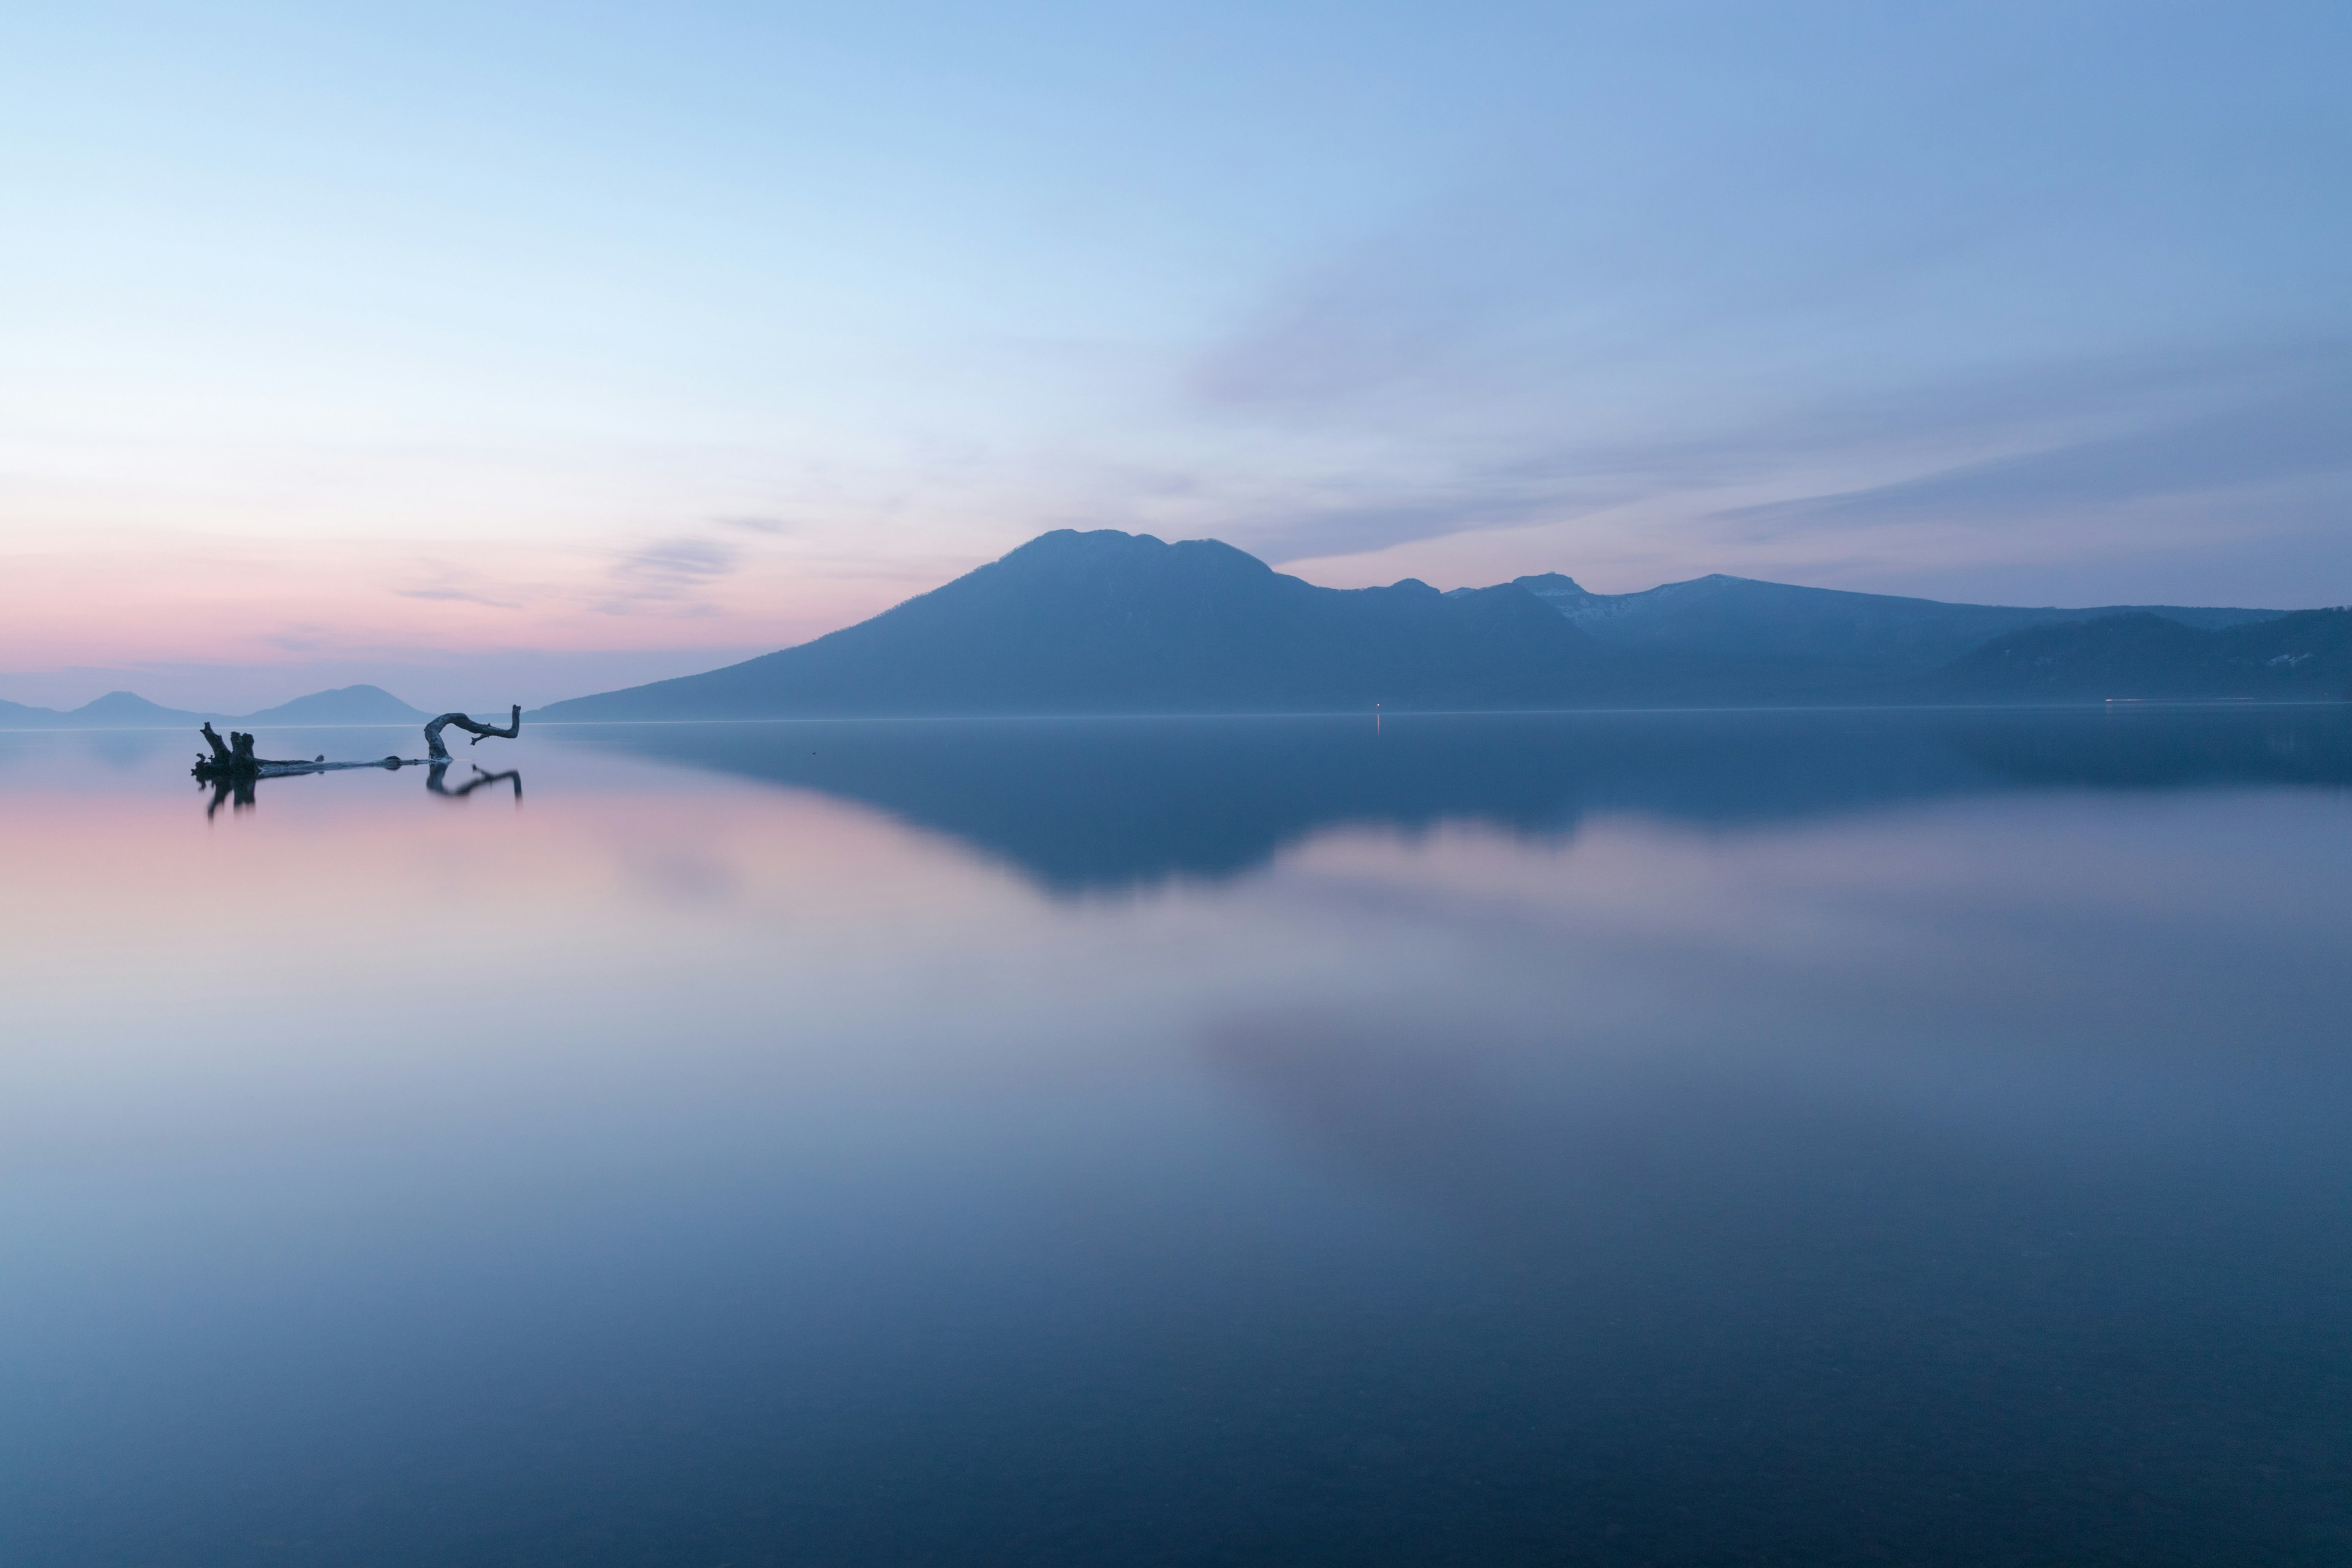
(1105, 803)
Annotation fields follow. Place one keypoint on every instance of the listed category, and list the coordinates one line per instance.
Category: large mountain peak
(1109, 549)
(1102, 621)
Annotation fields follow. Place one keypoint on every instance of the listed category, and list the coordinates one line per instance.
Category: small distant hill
(2303, 657)
(128, 711)
(345, 705)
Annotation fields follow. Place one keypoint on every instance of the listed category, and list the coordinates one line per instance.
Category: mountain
(128, 711)
(2303, 657)
(345, 705)
(1108, 623)
(1826, 633)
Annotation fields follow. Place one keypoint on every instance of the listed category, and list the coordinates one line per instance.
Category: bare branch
(439, 753)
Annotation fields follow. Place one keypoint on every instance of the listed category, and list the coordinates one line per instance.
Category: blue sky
(563, 346)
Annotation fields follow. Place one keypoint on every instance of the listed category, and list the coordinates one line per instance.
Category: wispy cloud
(1718, 347)
(448, 584)
(668, 573)
(1325, 524)
(456, 595)
(2257, 442)
(2032, 441)
(680, 562)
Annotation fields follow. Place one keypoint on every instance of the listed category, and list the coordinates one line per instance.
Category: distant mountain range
(1107, 622)
(2148, 654)
(126, 710)
(1868, 636)
(1112, 623)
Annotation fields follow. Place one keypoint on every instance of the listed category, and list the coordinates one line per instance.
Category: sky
(498, 352)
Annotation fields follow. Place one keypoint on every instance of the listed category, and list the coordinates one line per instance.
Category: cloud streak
(455, 597)
(2260, 443)
(2037, 442)
(669, 575)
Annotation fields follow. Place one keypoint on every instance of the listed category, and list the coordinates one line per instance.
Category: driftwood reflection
(232, 769)
(434, 781)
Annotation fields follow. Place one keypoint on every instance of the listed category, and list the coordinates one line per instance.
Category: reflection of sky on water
(681, 1165)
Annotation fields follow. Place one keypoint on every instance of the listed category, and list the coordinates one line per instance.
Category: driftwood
(440, 754)
(232, 768)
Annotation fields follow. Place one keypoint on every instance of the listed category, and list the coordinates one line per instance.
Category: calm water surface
(1680, 1139)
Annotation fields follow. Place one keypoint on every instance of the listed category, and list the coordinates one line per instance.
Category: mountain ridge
(1105, 622)
(2136, 655)
(1109, 622)
(1895, 636)
(342, 705)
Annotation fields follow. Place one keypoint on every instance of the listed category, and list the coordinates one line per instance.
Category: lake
(1773, 1138)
